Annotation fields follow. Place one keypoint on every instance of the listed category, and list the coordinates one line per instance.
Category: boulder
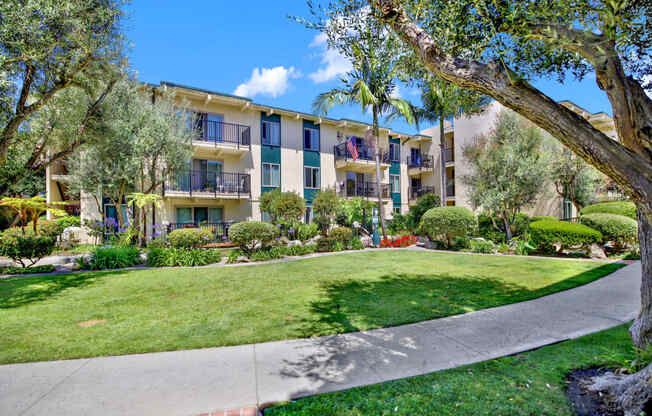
(596, 252)
(313, 240)
(294, 243)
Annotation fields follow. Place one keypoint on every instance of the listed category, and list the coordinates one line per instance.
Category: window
(265, 216)
(111, 212)
(184, 215)
(271, 174)
(311, 139)
(311, 177)
(394, 152)
(308, 216)
(415, 155)
(395, 182)
(271, 133)
(397, 210)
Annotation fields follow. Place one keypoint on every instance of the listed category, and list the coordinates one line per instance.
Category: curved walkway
(195, 381)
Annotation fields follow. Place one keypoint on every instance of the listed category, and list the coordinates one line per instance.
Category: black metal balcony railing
(415, 192)
(219, 230)
(425, 162)
(449, 154)
(218, 132)
(450, 189)
(366, 190)
(341, 152)
(218, 183)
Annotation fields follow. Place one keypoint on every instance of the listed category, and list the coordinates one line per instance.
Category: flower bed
(405, 241)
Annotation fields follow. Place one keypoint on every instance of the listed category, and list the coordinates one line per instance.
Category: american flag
(352, 148)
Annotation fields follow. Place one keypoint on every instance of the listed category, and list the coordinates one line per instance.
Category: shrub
(624, 208)
(487, 230)
(283, 207)
(543, 217)
(617, 228)
(341, 235)
(307, 231)
(160, 256)
(68, 221)
(326, 203)
(325, 244)
(356, 244)
(25, 248)
(423, 205)
(189, 237)
(47, 268)
(114, 257)
(546, 234)
(323, 223)
(447, 222)
(481, 246)
(404, 241)
(248, 235)
(50, 229)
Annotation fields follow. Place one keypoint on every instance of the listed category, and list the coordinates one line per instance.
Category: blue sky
(253, 48)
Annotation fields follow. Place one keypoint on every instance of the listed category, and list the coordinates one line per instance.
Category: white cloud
(267, 81)
(335, 64)
(397, 92)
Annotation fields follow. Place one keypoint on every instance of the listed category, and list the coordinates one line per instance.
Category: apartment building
(245, 149)
(461, 131)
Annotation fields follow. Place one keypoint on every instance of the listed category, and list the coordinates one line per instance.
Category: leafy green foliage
(543, 217)
(326, 203)
(248, 235)
(134, 146)
(189, 237)
(617, 228)
(307, 231)
(23, 248)
(187, 257)
(487, 230)
(272, 253)
(546, 234)
(445, 223)
(341, 234)
(481, 246)
(285, 208)
(508, 169)
(69, 221)
(47, 268)
(625, 208)
(117, 257)
(352, 210)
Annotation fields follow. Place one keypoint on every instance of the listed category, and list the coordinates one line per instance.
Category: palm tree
(372, 85)
(442, 100)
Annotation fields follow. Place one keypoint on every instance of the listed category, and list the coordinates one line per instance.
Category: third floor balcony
(217, 138)
(206, 184)
(420, 164)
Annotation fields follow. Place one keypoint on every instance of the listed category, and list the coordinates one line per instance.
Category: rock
(242, 259)
(75, 266)
(294, 243)
(313, 240)
(596, 252)
(143, 257)
(284, 241)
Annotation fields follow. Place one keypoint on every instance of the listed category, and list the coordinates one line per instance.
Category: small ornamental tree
(508, 169)
(284, 208)
(445, 223)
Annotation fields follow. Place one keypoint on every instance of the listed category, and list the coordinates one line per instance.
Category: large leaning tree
(495, 46)
(47, 47)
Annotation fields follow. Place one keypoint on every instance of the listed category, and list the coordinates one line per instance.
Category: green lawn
(531, 383)
(172, 309)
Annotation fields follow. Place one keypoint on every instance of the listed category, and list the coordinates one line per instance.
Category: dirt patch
(587, 403)
(173, 295)
(92, 322)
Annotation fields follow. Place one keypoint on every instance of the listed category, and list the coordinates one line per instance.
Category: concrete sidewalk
(196, 381)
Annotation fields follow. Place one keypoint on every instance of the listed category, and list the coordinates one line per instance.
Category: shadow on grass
(353, 305)
(21, 291)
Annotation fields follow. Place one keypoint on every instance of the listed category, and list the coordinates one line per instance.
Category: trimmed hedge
(543, 218)
(617, 228)
(47, 268)
(248, 235)
(545, 234)
(624, 208)
(162, 256)
(190, 237)
(447, 223)
(29, 247)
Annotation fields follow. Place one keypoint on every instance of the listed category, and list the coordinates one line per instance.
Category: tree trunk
(508, 228)
(632, 393)
(641, 329)
(381, 210)
(442, 144)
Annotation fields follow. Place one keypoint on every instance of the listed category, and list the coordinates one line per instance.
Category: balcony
(218, 138)
(365, 162)
(366, 190)
(449, 155)
(201, 184)
(219, 230)
(420, 164)
(414, 192)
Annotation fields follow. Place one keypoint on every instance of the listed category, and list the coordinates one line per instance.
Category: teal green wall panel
(270, 154)
(311, 158)
(309, 194)
(395, 169)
